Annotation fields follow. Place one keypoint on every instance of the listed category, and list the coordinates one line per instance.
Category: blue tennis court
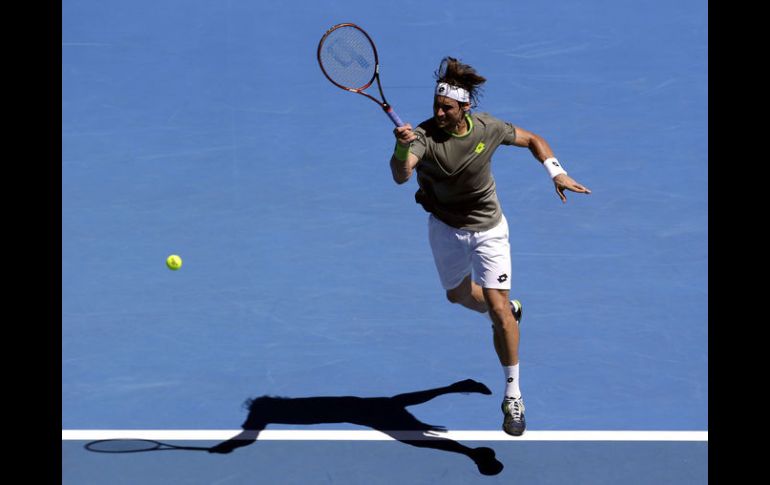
(206, 129)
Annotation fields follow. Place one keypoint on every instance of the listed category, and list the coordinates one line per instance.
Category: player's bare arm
(402, 169)
(542, 151)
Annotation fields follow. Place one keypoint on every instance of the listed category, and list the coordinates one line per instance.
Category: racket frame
(376, 76)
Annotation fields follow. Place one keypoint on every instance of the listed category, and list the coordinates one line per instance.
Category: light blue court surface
(206, 129)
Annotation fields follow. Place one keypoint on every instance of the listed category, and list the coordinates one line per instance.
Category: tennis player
(452, 153)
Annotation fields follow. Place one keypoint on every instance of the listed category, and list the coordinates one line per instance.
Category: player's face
(448, 112)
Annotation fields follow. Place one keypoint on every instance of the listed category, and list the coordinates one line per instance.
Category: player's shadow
(385, 414)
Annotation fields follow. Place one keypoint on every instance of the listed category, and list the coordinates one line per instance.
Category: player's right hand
(404, 134)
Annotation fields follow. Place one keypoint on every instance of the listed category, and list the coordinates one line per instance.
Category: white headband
(455, 92)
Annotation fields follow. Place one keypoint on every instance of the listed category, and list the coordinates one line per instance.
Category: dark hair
(456, 73)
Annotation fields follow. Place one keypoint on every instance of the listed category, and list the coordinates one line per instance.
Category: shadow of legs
(244, 438)
(483, 457)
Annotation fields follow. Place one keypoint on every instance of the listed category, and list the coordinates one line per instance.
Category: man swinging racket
(451, 153)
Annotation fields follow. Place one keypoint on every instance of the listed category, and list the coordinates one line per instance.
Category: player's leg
(468, 294)
(497, 339)
(452, 255)
(505, 326)
(506, 339)
(492, 264)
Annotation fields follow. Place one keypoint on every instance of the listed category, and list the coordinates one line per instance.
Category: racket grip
(394, 117)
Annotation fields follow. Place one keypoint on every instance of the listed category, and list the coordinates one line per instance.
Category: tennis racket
(348, 58)
(135, 446)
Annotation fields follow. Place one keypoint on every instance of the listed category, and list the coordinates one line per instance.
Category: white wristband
(553, 167)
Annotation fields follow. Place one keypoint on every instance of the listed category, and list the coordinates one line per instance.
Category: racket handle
(394, 117)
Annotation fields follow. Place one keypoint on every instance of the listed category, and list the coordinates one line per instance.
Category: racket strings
(348, 58)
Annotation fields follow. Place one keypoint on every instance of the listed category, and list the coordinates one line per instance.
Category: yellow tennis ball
(174, 262)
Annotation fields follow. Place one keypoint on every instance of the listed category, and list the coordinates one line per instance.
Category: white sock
(512, 381)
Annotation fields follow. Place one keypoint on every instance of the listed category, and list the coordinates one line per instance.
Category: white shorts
(458, 253)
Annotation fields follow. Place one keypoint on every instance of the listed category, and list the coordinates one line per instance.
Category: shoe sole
(510, 433)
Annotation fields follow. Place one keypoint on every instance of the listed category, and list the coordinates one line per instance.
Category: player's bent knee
(503, 315)
(501, 308)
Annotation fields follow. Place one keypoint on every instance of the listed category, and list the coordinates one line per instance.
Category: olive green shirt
(454, 172)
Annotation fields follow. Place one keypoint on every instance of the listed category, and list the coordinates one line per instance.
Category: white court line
(372, 435)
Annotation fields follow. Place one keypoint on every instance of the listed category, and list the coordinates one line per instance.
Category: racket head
(123, 446)
(348, 57)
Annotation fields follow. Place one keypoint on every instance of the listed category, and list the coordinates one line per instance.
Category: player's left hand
(564, 182)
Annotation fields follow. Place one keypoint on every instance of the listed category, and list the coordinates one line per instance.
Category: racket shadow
(122, 445)
(385, 414)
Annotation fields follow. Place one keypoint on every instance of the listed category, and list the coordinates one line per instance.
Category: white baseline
(373, 435)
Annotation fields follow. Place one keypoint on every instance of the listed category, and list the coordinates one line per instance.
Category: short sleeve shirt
(454, 173)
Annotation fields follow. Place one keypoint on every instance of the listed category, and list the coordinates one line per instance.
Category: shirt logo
(480, 147)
